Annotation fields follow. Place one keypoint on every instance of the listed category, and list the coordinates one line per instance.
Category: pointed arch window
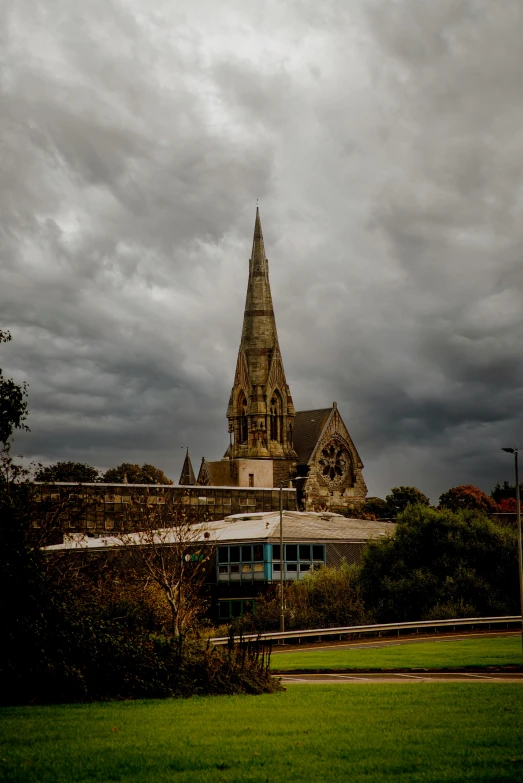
(276, 412)
(243, 429)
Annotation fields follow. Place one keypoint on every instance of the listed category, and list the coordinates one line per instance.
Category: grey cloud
(384, 142)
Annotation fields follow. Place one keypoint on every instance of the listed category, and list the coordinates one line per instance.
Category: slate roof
(204, 476)
(308, 426)
(259, 526)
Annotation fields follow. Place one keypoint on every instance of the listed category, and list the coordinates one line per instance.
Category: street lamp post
(514, 451)
(282, 561)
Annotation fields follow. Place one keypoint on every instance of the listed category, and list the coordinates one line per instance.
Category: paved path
(402, 678)
(388, 641)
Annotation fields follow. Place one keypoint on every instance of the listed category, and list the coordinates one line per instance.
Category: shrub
(441, 561)
(326, 597)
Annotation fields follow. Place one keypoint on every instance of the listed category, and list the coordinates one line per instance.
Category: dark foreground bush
(72, 633)
(82, 655)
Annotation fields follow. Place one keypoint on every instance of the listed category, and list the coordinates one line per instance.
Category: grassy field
(440, 732)
(477, 652)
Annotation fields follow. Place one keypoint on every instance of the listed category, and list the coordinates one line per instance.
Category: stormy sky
(384, 141)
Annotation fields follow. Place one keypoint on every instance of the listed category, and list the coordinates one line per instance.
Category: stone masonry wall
(335, 479)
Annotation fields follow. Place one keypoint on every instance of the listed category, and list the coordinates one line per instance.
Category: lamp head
(510, 451)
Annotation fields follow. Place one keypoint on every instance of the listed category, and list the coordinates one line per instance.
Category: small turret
(187, 474)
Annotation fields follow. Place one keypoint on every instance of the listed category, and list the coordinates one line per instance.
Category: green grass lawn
(476, 652)
(437, 732)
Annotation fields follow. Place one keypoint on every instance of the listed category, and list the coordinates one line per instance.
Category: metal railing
(379, 629)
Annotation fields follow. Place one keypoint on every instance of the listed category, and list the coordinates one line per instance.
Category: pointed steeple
(187, 474)
(261, 411)
(204, 477)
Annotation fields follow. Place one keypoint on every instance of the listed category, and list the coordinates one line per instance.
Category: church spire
(187, 474)
(260, 412)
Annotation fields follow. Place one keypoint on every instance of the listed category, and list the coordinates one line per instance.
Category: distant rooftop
(262, 526)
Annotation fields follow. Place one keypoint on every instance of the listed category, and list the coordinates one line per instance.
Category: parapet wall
(96, 508)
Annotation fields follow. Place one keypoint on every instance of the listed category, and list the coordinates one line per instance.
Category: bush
(441, 562)
(75, 630)
(325, 598)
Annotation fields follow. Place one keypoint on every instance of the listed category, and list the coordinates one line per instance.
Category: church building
(272, 444)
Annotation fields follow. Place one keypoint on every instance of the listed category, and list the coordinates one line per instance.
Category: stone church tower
(261, 412)
(271, 444)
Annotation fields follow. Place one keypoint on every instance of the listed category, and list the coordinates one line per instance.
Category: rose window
(334, 461)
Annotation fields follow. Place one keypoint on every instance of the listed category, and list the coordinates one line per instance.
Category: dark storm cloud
(384, 142)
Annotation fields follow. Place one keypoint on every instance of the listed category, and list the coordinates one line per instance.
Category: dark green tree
(134, 474)
(505, 492)
(401, 497)
(441, 564)
(68, 471)
(13, 402)
(376, 506)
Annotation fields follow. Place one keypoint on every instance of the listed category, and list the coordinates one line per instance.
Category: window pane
(235, 569)
(234, 554)
(276, 567)
(236, 608)
(292, 566)
(247, 568)
(275, 551)
(246, 554)
(224, 610)
(258, 567)
(291, 552)
(304, 567)
(305, 552)
(223, 554)
(223, 570)
(317, 552)
(258, 552)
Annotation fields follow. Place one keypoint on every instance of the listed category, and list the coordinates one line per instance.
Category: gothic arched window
(276, 412)
(243, 430)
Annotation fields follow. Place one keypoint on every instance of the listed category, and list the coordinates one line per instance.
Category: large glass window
(291, 552)
(317, 552)
(305, 552)
(276, 552)
(258, 552)
(246, 553)
(234, 554)
(223, 554)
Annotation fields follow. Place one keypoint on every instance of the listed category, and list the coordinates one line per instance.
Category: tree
(441, 564)
(134, 474)
(466, 496)
(506, 506)
(505, 492)
(78, 472)
(170, 551)
(376, 506)
(13, 402)
(401, 497)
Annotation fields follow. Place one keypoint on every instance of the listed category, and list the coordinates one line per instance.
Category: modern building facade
(248, 557)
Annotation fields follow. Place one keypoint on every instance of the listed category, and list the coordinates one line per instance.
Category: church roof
(308, 426)
(187, 474)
